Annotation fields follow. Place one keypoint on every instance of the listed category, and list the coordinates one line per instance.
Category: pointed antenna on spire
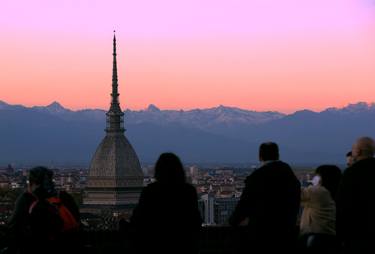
(115, 119)
(114, 42)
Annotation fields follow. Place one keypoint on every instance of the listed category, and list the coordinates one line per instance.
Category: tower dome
(115, 163)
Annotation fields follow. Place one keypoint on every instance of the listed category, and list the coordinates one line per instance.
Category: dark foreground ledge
(213, 239)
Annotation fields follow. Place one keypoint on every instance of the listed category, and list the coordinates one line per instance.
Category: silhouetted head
(169, 169)
(41, 178)
(349, 159)
(363, 149)
(268, 151)
(330, 176)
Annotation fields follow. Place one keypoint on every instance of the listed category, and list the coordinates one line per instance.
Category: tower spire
(115, 120)
(115, 93)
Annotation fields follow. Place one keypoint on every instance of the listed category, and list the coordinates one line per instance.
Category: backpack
(50, 217)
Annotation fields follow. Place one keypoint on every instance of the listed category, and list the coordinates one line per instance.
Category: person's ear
(359, 152)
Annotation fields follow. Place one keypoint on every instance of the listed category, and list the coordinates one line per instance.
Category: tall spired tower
(115, 177)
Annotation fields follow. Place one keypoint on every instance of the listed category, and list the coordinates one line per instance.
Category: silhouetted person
(167, 219)
(270, 204)
(318, 220)
(349, 159)
(123, 225)
(356, 200)
(36, 225)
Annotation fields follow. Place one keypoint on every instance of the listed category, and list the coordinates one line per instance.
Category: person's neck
(266, 162)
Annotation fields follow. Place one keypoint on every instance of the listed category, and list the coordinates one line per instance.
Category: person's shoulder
(283, 167)
(154, 188)
(308, 190)
(186, 189)
(360, 164)
(24, 200)
(349, 170)
(368, 161)
(26, 194)
(64, 196)
(273, 165)
(254, 174)
(360, 168)
(189, 187)
(282, 164)
(318, 189)
(63, 193)
(150, 187)
(26, 197)
(365, 163)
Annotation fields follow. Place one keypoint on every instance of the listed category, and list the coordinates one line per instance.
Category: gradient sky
(280, 55)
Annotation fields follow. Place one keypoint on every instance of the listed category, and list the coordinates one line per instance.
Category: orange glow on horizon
(263, 67)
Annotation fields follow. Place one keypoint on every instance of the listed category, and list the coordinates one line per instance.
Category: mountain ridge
(53, 133)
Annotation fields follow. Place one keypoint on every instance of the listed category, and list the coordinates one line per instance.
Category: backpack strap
(33, 203)
(70, 222)
(54, 201)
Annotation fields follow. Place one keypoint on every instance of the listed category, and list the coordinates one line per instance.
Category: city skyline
(260, 55)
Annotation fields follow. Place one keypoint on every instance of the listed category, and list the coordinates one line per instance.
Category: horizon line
(194, 108)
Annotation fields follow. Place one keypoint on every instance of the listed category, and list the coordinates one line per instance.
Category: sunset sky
(282, 55)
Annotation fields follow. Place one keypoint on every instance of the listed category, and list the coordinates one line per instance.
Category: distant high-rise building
(115, 177)
(216, 210)
(208, 208)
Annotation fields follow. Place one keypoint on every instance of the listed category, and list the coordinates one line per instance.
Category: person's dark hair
(269, 151)
(330, 178)
(349, 154)
(43, 177)
(169, 169)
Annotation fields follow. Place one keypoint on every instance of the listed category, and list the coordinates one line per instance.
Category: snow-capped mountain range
(53, 133)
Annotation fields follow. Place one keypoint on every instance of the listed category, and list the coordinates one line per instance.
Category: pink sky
(280, 55)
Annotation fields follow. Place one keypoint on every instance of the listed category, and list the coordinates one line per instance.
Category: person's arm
(17, 223)
(139, 211)
(196, 216)
(70, 203)
(243, 208)
(344, 205)
(20, 212)
(305, 194)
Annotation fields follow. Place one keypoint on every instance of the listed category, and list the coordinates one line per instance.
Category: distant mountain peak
(221, 108)
(53, 108)
(305, 111)
(3, 104)
(226, 108)
(55, 105)
(152, 108)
